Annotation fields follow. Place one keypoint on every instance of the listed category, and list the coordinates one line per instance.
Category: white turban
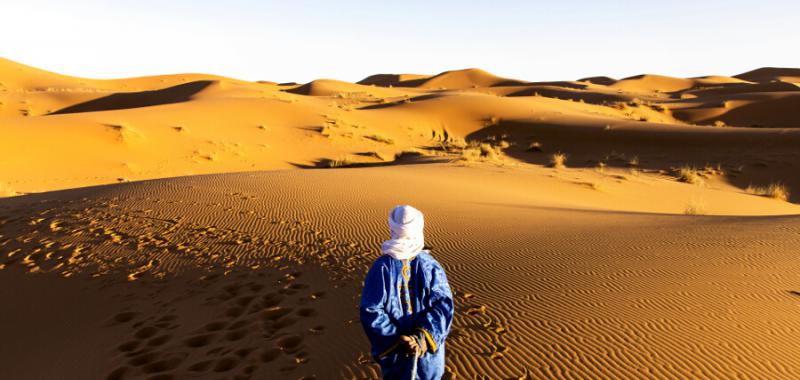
(405, 224)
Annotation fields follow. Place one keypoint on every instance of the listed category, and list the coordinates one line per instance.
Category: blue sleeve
(435, 322)
(379, 327)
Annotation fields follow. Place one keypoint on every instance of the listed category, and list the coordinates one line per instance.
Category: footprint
(307, 312)
(235, 335)
(159, 340)
(125, 317)
(243, 352)
(142, 359)
(284, 322)
(275, 313)
(199, 340)
(215, 326)
(238, 325)
(163, 365)
(163, 376)
(129, 346)
(244, 301)
(290, 342)
(117, 374)
(317, 295)
(234, 312)
(201, 366)
(146, 332)
(269, 355)
(226, 364)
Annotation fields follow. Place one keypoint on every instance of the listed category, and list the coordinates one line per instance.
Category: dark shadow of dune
(391, 80)
(601, 80)
(557, 93)
(304, 89)
(405, 158)
(510, 83)
(403, 101)
(726, 219)
(124, 100)
(747, 156)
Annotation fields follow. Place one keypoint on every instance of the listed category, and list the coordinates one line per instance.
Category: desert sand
(196, 226)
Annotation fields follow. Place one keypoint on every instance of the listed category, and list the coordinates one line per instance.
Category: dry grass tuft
(690, 175)
(558, 160)
(695, 207)
(337, 163)
(535, 147)
(774, 190)
(380, 139)
(488, 151)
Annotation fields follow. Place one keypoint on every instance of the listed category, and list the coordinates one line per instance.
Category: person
(406, 305)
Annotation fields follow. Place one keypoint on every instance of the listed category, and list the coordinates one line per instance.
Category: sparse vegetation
(775, 190)
(488, 151)
(601, 167)
(335, 163)
(695, 207)
(535, 147)
(596, 186)
(634, 161)
(690, 175)
(719, 124)
(380, 139)
(470, 154)
(479, 151)
(558, 160)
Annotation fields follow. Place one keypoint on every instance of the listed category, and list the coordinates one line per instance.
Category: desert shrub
(558, 160)
(694, 207)
(335, 163)
(690, 175)
(471, 154)
(488, 151)
(775, 190)
(719, 124)
(634, 161)
(380, 139)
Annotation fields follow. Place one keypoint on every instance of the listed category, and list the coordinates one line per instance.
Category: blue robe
(407, 297)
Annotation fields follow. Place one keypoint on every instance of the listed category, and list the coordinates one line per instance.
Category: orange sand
(614, 265)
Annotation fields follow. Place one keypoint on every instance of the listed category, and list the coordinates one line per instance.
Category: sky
(301, 40)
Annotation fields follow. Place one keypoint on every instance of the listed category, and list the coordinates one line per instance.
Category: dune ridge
(225, 124)
(197, 226)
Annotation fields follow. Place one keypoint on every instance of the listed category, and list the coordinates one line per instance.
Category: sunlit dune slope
(258, 275)
(63, 132)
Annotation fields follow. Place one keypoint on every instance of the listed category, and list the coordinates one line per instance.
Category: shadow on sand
(124, 100)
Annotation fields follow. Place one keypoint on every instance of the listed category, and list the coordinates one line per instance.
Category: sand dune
(771, 74)
(205, 277)
(598, 228)
(163, 126)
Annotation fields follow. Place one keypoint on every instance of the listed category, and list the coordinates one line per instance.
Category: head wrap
(406, 225)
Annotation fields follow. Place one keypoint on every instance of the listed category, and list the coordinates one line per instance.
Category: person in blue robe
(406, 305)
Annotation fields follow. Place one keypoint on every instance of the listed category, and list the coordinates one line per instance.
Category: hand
(422, 344)
(408, 344)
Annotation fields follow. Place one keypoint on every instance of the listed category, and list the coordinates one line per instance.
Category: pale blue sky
(348, 40)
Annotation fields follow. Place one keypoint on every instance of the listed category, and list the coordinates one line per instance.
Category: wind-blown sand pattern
(603, 268)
